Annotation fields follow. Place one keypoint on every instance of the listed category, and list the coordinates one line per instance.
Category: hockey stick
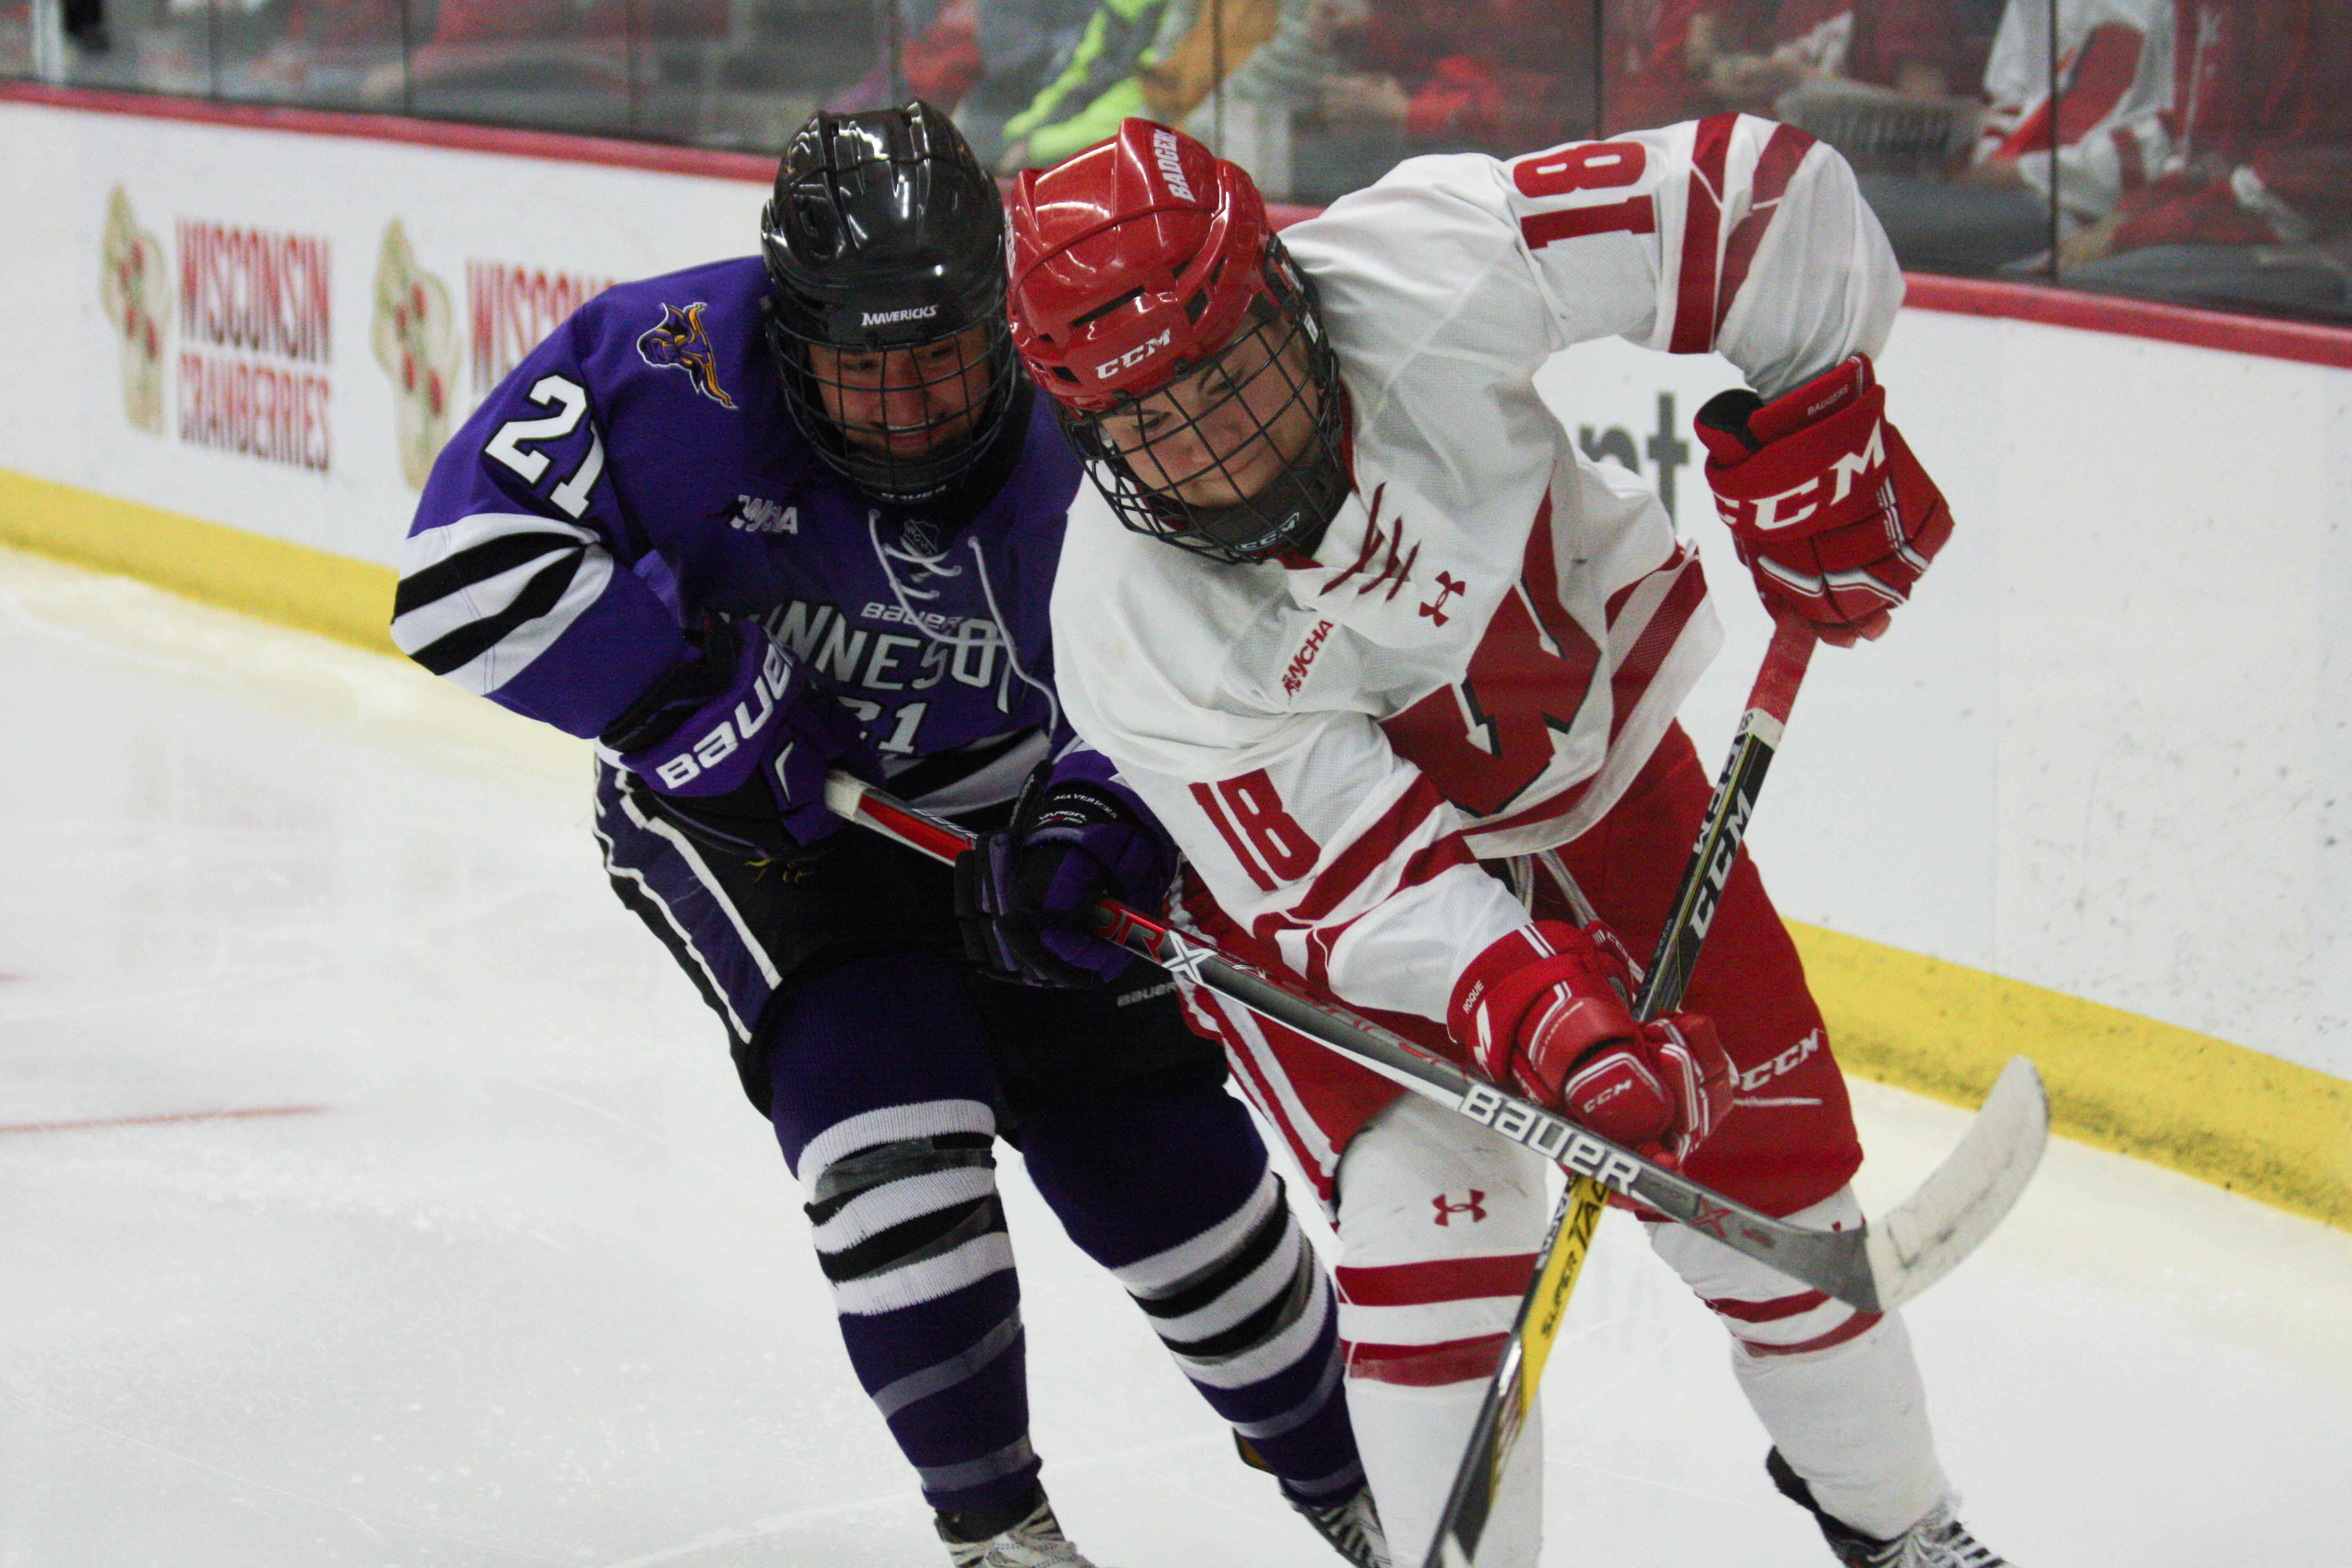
(1873, 1268)
(1510, 1396)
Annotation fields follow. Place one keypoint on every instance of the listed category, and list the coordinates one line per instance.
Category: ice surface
(509, 1274)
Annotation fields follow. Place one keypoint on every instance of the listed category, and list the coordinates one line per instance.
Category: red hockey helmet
(1146, 258)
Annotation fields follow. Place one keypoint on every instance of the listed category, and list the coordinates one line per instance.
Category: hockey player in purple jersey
(754, 520)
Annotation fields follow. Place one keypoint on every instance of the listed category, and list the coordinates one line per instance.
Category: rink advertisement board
(2107, 752)
(278, 332)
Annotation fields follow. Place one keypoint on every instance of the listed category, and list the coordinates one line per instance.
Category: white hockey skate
(1937, 1541)
(1352, 1527)
(1035, 1542)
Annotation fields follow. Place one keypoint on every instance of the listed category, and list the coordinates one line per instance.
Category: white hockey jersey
(1495, 633)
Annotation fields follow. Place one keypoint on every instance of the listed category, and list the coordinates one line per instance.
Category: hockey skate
(1034, 1539)
(1937, 1541)
(1352, 1526)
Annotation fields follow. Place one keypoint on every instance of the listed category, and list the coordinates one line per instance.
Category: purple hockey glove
(1023, 894)
(736, 741)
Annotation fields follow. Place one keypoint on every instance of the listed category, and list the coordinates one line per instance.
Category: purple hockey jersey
(639, 470)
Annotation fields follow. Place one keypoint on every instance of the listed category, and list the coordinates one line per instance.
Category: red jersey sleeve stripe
(1774, 170)
(2109, 63)
(1635, 672)
(2031, 135)
(1702, 226)
(1373, 848)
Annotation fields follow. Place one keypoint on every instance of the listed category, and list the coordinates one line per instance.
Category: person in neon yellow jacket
(1163, 59)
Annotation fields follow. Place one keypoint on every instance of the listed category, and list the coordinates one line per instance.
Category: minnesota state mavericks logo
(681, 341)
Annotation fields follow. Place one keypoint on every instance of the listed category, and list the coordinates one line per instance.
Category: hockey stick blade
(1916, 1243)
(1924, 1236)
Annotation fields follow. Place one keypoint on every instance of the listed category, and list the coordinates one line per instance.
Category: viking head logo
(681, 341)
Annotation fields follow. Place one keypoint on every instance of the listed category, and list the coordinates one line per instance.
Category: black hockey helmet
(885, 234)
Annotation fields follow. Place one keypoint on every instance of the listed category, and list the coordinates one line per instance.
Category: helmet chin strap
(1289, 514)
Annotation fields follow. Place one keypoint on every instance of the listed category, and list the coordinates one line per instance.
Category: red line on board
(154, 1121)
(2311, 343)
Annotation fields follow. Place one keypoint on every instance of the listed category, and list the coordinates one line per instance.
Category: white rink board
(63, 410)
(2107, 751)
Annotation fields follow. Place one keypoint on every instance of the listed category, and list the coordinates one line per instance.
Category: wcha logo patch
(681, 342)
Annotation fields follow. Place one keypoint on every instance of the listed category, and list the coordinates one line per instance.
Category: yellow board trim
(2254, 1124)
(292, 584)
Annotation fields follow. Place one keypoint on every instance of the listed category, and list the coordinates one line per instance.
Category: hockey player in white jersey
(1406, 637)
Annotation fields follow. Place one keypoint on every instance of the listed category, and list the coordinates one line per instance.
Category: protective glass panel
(2236, 189)
(743, 73)
(335, 54)
(2192, 150)
(15, 40)
(163, 45)
(1313, 97)
(558, 65)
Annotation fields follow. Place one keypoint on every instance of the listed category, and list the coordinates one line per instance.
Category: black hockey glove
(1024, 893)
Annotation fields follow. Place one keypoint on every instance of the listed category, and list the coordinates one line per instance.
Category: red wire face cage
(1146, 261)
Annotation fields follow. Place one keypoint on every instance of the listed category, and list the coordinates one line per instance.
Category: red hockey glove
(1828, 508)
(1541, 1009)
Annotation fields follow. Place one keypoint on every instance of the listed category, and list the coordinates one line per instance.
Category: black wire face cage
(1286, 512)
(911, 382)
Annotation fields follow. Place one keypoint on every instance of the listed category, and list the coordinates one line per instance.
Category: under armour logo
(1475, 1208)
(1446, 588)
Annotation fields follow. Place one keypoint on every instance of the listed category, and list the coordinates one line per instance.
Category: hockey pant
(1439, 1220)
(889, 1073)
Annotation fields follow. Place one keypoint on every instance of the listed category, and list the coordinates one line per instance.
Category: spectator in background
(1207, 66)
(84, 22)
(334, 46)
(1229, 71)
(943, 63)
(1494, 76)
(1120, 36)
(574, 50)
(2253, 201)
(1674, 59)
(2109, 119)
(1024, 45)
(986, 60)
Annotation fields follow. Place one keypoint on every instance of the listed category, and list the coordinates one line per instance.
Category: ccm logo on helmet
(728, 734)
(1134, 356)
(1792, 507)
(1163, 153)
(883, 318)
